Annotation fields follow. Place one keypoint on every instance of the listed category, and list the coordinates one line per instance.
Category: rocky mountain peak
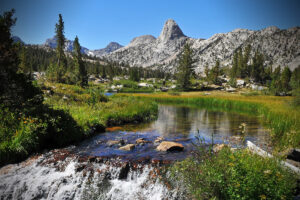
(112, 46)
(144, 39)
(170, 31)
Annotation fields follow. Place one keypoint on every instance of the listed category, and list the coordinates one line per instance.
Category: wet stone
(124, 171)
(141, 141)
(128, 147)
(158, 139)
(170, 146)
(111, 143)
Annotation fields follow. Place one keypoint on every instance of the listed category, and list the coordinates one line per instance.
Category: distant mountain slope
(51, 42)
(113, 46)
(17, 39)
(280, 47)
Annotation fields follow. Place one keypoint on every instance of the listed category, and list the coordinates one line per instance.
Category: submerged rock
(141, 141)
(158, 139)
(170, 146)
(127, 147)
(115, 142)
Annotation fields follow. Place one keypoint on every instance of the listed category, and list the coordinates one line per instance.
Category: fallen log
(255, 149)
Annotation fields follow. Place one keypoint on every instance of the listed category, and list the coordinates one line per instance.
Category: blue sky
(98, 22)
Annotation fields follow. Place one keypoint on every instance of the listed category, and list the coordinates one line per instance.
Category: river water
(96, 169)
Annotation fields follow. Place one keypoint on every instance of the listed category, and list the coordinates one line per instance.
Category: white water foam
(34, 181)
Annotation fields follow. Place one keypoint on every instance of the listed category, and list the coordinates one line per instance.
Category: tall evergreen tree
(285, 80)
(206, 72)
(240, 73)
(257, 68)
(295, 79)
(246, 57)
(185, 68)
(80, 70)
(275, 84)
(60, 40)
(215, 73)
(134, 74)
(24, 66)
(234, 68)
(16, 89)
(295, 85)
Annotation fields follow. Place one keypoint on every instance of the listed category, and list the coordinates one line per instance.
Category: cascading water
(46, 177)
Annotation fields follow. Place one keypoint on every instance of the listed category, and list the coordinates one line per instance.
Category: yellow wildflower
(263, 197)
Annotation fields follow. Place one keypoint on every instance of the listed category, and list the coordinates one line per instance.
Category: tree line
(244, 66)
(74, 69)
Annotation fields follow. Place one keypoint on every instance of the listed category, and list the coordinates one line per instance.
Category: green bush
(235, 175)
(41, 128)
(96, 95)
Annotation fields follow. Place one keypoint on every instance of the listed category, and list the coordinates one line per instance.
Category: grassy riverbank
(278, 113)
(90, 108)
(69, 114)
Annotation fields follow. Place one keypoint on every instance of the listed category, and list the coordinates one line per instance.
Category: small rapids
(60, 175)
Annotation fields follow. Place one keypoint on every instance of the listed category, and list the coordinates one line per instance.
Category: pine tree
(246, 58)
(16, 89)
(134, 74)
(61, 58)
(234, 68)
(285, 80)
(215, 73)
(275, 84)
(80, 70)
(206, 72)
(185, 68)
(240, 61)
(295, 85)
(257, 68)
(24, 65)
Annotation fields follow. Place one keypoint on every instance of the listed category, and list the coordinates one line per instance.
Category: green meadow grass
(116, 110)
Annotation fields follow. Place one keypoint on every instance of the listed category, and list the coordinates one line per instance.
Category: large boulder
(170, 146)
(127, 147)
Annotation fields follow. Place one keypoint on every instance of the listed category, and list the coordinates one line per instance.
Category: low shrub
(235, 175)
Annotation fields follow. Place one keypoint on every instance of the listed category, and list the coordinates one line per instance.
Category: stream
(97, 169)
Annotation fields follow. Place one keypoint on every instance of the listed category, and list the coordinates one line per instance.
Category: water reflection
(187, 121)
(175, 123)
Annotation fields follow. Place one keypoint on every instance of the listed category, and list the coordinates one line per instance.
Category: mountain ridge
(280, 47)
